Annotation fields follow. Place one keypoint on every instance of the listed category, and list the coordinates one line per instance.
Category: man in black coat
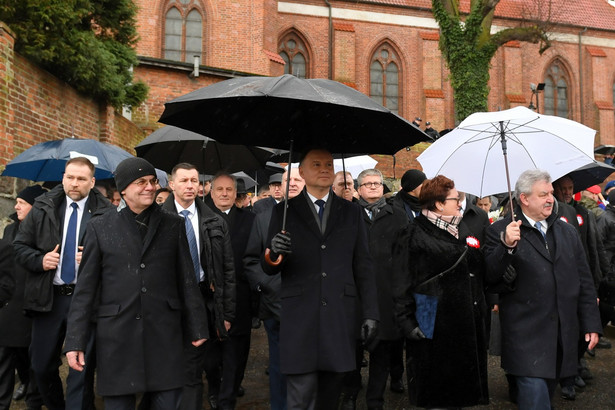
(15, 338)
(236, 349)
(137, 279)
(407, 199)
(48, 247)
(276, 195)
(552, 298)
(216, 276)
(324, 269)
(269, 288)
(383, 221)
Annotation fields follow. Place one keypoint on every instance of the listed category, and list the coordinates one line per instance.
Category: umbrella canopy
(46, 161)
(475, 153)
(272, 111)
(248, 181)
(589, 175)
(168, 146)
(355, 165)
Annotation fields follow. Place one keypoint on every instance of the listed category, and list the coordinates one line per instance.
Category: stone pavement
(598, 395)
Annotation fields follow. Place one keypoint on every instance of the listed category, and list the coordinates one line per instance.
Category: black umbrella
(273, 111)
(168, 146)
(589, 175)
(605, 150)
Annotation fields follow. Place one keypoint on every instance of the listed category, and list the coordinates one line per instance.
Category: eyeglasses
(372, 184)
(453, 199)
(142, 182)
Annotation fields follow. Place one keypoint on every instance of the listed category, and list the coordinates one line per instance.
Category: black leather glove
(510, 274)
(416, 334)
(369, 331)
(280, 244)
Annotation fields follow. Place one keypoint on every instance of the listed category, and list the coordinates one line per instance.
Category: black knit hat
(130, 170)
(411, 179)
(30, 193)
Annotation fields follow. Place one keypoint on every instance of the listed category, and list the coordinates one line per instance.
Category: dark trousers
(316, 390)
(48, 331)
(397, 359)
(535, 393)
(351, 384)
(380, 365)
(157, 400)
(10, 357)
(235, 352)
(277, 381)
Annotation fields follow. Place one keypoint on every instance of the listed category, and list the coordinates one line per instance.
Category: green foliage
(87, 43)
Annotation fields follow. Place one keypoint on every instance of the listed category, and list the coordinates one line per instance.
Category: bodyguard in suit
(325, 267)
(48, 247)
(212, 258)
(407, 199)
(236, 349)
(277, 194)
(552, 298)
(137, 279)
(269, 287)
(474, 219)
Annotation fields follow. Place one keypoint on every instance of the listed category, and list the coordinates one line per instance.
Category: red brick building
(387, 49)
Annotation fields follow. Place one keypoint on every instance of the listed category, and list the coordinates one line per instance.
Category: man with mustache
(548, 299)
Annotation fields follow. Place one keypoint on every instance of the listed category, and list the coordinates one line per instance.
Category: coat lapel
(154, 221)
(305, 214)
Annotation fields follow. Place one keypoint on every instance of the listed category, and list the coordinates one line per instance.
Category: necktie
(194, 250)
(321, 208)
(538, 226)
(70, 244)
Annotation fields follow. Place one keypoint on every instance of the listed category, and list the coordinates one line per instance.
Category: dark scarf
(412, 201)
(374, 207)
(142, 221)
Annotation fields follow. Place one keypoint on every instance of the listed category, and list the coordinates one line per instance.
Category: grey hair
(527, 180)
(371, 172)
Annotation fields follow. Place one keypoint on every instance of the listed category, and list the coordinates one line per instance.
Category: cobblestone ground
(598, 395)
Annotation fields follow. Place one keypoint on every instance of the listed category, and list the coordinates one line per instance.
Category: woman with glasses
(439, 303)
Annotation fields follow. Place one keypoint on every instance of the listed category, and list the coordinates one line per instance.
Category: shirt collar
(191, 208)
(80, 203)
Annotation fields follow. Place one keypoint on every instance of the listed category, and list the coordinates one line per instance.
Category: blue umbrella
(46, 161)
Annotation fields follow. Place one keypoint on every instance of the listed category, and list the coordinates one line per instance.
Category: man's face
(538, 205)
(275, 191)
(206, 188)
(484, 203)
(564, 190)
(22, 208)
(139, 194)
(77, 181)
(116, 198)
(296, 183)
(317, 169)
(185, 186)
(162, 196)
(223, 193)
(371, 188)
(340, 184)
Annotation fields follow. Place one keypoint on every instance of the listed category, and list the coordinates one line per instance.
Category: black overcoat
(149, 302)
(553, 290)
(449, 370)
(320, 281)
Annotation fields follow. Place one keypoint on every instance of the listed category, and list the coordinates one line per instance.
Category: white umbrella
(354, 165)
(475, 154)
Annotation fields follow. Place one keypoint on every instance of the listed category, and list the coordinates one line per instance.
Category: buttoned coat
(321, 280)
(553, 290)
(149, 302)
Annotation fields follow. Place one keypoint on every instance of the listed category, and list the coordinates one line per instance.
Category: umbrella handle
(271, 262)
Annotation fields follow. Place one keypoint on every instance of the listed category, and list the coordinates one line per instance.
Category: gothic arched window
(294, 53)
(384, 78)
(183, 31)
(556, 91)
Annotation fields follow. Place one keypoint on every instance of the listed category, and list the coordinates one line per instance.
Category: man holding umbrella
(324, 268)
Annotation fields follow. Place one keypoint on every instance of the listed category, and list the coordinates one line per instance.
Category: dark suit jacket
(149, 302)
(553, 297)
(264, 205)
(474, 222)
(321, 280)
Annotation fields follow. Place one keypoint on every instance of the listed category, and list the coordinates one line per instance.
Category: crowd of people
(154, 285)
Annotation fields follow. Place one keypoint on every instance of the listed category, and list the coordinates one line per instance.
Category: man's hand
(197, 343)
(416, 334)
(592, 338)
(51, 259)
(227, 325)
(512, 234)
(369, 331)
(280, 244)
(79, 253)
(76, 360)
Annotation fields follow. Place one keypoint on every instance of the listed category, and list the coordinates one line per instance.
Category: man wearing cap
(236, 349)
(138, 281)
(212, 257)
(48, 247)
(417, 122)
(431, 131)
(407, 199)
(15, 338)
(276, 195)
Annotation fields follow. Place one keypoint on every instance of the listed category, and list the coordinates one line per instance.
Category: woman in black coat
(439, 273)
